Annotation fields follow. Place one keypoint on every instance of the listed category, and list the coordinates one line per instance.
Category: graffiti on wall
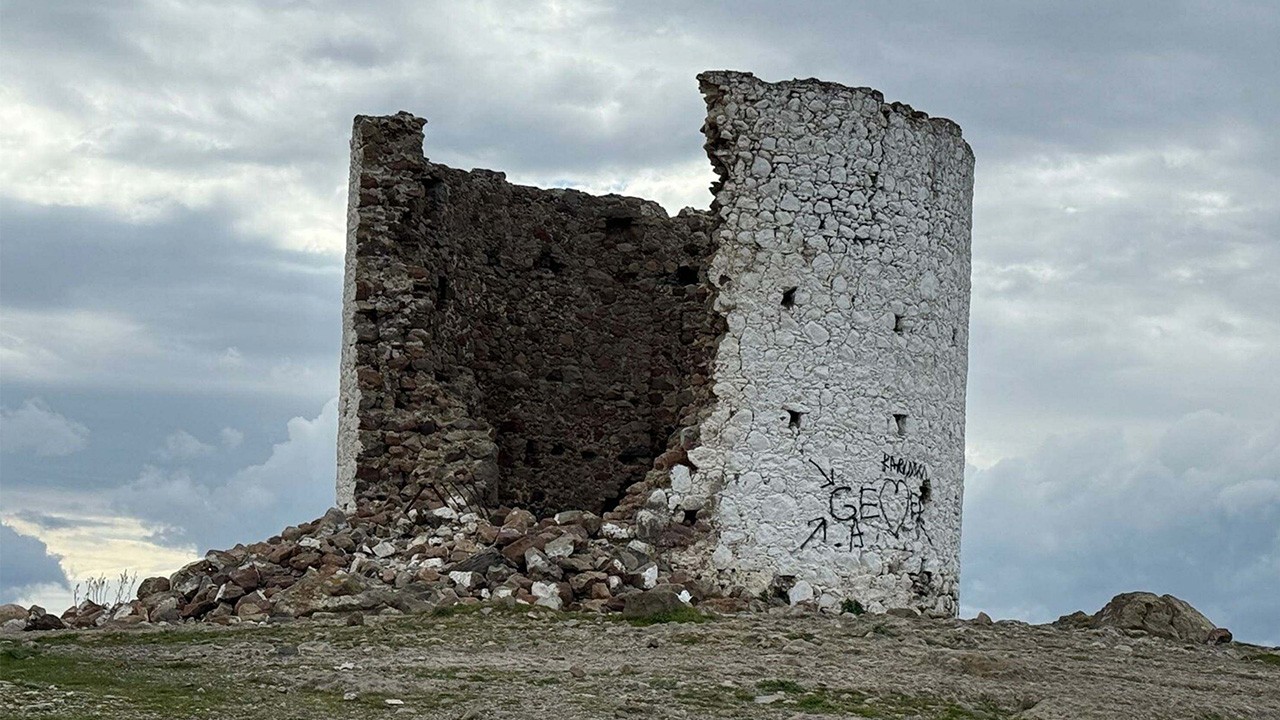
(887, 512)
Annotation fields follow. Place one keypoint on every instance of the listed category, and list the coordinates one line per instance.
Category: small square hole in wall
(794, 419)
(618, 224)
(899, 324)
(686, 275)
(900, 424)
(442, 292)
(789, 298)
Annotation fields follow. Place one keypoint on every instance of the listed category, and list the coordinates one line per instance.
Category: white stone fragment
(547, 594)
(681, 480)
(614, 531)
(648, 576)
(464, 580)
(561, 547)
(802, 591)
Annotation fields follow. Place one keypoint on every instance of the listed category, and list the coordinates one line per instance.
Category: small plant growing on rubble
(678, 615)
(100, 590)
(853, 607)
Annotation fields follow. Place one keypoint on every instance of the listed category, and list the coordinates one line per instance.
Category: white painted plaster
(864, 209)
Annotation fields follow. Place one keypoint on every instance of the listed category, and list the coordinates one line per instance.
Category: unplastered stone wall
(832, 458)
(505, 344)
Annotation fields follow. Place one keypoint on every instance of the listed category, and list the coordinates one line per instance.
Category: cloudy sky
(172, 191)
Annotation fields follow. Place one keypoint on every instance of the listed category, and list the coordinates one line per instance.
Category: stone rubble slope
(386, 561)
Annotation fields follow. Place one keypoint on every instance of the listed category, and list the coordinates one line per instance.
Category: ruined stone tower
(772, 391)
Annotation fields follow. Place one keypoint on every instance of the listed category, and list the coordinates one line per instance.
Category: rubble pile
(392, 562)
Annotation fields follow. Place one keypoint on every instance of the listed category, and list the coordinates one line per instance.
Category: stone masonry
(771, 392)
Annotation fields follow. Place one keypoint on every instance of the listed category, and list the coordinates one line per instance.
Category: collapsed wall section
(505, 344)
(833, 455)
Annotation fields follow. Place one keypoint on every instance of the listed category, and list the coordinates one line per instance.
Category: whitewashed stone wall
(832, 460)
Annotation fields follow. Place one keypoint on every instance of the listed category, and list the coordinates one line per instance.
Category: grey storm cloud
(199, 299)
(35, 427)
(293, 484)
(173, 199)
(27, 563)
(1089, 515)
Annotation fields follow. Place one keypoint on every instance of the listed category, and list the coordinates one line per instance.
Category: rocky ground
(491, 662)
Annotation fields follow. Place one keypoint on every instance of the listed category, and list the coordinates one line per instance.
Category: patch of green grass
(829, 701)
(168, 636)
(688, 638)
(725, 699)
(1265, 658)
(464, 609)
(147, 687)
(679, 615)
(100, 685)
(852, 607)
(818, 703)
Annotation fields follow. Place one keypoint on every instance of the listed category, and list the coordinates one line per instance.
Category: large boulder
(659, 601)
(38, 619)
(1160, 615)
(151, 586)
(336, 592)
(12, 612)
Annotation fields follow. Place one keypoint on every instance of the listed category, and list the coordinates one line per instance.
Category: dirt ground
(506, 664)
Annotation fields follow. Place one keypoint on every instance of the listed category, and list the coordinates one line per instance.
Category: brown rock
(1218, 636)
(305, 560)
(518, 519)
(221, 614)
(166, 610)
(1160, 615)
(252, 604)
(197, 609)
(333, 560)
(151, 586)
(282, 553)
(229, 593)
(582, 582)
(514, 552)
(38, 619)
(339, 592)
(12, 612)
(247, 577)
(480, 561)
(652, 602)
(724, 604)
(508, 535)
